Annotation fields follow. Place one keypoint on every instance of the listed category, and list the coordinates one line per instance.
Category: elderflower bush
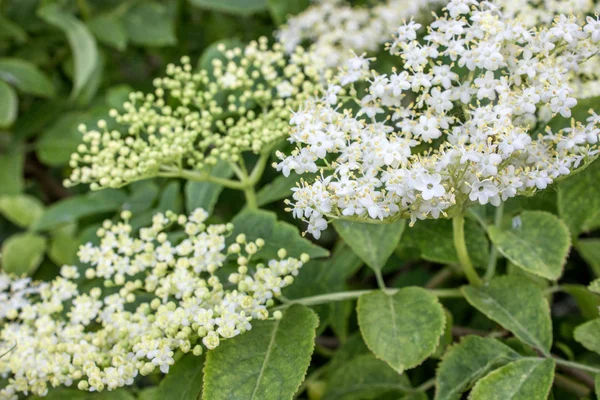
(160, 297)
(458, 125)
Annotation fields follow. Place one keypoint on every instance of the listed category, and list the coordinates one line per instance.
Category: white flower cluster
(194, 119)
(160, 297)
(334, 27)
(585, 78)
(456, 125)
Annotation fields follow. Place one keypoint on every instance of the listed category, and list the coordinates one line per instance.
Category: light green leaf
(206, 194)
(117, 95)
(266, 363)
(520, 380)
(26, 77)
(588, 335)
(10, 105)
(581, 213)
(589, 249)
(281, 9)
(22, 210)
(276, 234)
(109, 30)
(364, 377)
(444, 252)
(466, 362)
(22, 253)
(401, 329)
(71, 209)
(242, 7)
(184, 380)
(150, 24)
(539, 244)
(518, 305)
(11, 170)
(588, 302)
(81, 40)
(595, 286)
(373, 243)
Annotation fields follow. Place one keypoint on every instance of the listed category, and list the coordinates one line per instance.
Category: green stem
(458, 226)
(380, 281)
(200, 177)
(493, 261)
(577, 365)
(251, 201)
(354, 294)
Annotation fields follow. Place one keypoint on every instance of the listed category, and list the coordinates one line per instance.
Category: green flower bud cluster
(194, 119)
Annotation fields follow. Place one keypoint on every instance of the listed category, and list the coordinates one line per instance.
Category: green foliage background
(531, 333)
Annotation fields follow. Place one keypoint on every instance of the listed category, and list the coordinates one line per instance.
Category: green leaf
(588, 302)
(466, 362)
(401, 329)
(444, 252)
(109, 30)
(26, 77)
(212, 53)
(150, 24)
(206, 194)
(184, 380)
(10, 105)
(9, 29)
(61, 139)
(276, 234)
(373, 243)
(38, 115)
(597, 386)
(589, 249)
(281, 9)
(539, 244)
(241, 7)
(266, 363)
(22, 210)
(520, 380)
(280, 188)
(117, 95)
(364, 377)
(595, 286)
(588, 335)
(63, 246)
(11, 170)
(81, 40)
(73, 208)
(22, 253)
(581, 213)
(518, 305)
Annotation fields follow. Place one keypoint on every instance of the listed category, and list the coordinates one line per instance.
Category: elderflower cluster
(457, 125)
(585, 77)
(333, 27)
(194, 119)
(160, 297)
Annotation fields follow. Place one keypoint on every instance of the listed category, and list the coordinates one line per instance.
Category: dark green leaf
(588, 335)
(184, 380)
(11, 171)
(518, 305)
(11, 30)
(401, 329)
(212, 53)
(468, 361)
(26, 77)
(588, 302)
(10, 105)
(581, 213)
(589, 249)
(529, 379)
(280, 188)
(64, 245)
(150, 24)
(281, 9)
(242, 7)
(109, 30)
(22, 253)
(265, 363)
(206, 194)
(373, 243)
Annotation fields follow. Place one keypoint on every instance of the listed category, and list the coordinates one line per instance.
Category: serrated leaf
(364, 377)
(184, 380)
(241, 7)
(589, 249)
(276, 234)
(22, 253)
(81, 40)
(518, 305)
(539, 244)
(10, 105)
(282, 9)
(206, 194)
(466, 362)
(401, 329)
(266, 363)
(22, 210)
(109, 30)
(26, 77)
(588, 335)
(444, 252)
(529, 379)
(73, 208)
(373, 243)
(140, 18)
(581, 213)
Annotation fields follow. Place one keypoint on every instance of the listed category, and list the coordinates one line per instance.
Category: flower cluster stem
(458, 226)
(491, 268)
